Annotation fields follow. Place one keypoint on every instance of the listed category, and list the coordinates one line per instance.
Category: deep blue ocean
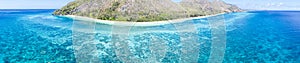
(36, 36)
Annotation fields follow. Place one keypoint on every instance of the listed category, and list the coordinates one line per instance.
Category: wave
(51, 27)
(56, 29)
(41, 17)
(232, 22)
(193, 25)
(85, 27)
(48, 20)
(240, 19)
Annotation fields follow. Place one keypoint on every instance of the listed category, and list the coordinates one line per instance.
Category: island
(145, 10)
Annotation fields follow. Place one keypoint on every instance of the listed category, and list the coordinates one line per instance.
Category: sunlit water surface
(255, 36)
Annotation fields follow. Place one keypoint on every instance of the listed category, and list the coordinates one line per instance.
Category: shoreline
(123, 23)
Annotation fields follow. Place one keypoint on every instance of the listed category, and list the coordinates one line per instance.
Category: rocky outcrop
(144, 10)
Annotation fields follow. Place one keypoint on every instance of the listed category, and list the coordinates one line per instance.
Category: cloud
(267, 4)
(274, 4)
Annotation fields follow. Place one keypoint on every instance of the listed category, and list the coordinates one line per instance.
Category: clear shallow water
(256, 36)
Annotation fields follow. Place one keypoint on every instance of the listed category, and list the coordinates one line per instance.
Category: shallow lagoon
(254, 36)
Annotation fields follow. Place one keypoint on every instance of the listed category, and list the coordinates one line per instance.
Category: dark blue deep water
(36, 36)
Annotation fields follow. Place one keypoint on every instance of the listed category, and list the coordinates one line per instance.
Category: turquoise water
(247, 37)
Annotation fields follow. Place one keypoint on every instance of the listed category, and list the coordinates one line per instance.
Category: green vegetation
(144, 10)
(110, 13)
(70, 7)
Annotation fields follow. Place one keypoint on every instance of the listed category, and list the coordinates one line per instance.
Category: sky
(245, 4)
(33, 4)
(267, 4)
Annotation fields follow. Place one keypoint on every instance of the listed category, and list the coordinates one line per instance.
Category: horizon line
(56, 9)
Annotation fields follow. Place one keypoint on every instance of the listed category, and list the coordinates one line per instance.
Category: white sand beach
(123, 23)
